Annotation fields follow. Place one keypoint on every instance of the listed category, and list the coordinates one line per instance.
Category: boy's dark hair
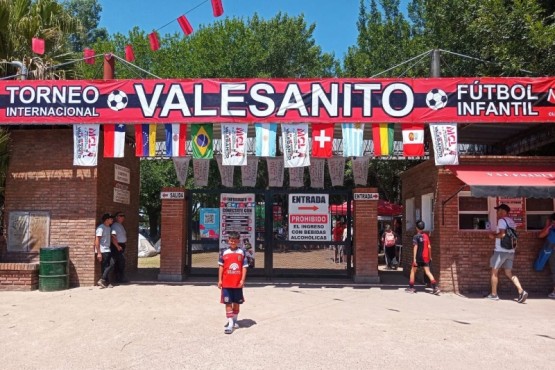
(420, 225)
(233, 235)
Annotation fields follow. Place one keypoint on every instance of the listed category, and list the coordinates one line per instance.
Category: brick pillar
(365, 214)
(173, 253)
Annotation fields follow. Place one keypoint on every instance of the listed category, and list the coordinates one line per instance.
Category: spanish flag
(382, 135)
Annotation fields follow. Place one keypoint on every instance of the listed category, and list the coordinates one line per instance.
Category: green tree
(88, 13)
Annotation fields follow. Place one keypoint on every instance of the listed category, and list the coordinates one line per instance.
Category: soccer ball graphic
(436, 99)
(117, 100)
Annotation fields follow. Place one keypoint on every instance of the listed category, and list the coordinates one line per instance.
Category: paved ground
(285, 325)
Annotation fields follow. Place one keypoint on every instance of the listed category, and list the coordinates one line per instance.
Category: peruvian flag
(176, 135)
(322, 140)
(413, 141)
(114, 141)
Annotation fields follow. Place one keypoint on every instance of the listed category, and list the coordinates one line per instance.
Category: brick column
(365, 214)
(174, 237)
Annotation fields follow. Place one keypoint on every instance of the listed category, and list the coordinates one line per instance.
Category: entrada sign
(276, 100)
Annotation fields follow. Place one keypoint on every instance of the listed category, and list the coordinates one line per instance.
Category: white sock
(230, 322)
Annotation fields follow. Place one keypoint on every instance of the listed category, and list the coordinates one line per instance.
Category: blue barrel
(54, 269)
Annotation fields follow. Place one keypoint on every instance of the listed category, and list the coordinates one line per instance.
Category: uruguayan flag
(353, 142)
(265, 139)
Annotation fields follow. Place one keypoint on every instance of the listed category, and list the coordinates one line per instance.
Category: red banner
(454, 100)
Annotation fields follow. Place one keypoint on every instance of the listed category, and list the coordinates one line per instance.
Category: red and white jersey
(233, 262)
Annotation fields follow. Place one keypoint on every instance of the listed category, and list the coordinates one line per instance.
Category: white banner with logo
(317, 173)
(275, 171)
(360, 170)
(445, 141)
(85, 144)
(296, 177)
(249, 173)
(181, 165)
(336, 167)
(234, 144)
(201, 169)
(295, 144)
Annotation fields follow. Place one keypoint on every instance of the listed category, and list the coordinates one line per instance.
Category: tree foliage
(88, 13)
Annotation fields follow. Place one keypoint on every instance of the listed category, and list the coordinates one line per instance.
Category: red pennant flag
(88, 56)
(38, 45)
(217, 8)
(322, 140)
(185, 25)
(129, 54)
(413, 141)
(154, 43)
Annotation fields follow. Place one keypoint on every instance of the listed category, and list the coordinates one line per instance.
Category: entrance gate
(275, 254)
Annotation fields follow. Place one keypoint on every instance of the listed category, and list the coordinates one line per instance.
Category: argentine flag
(265, 139)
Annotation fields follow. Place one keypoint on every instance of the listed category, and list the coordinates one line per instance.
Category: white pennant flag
(226, 172)
(181, 165)
(234, 144)
(336, 167)
(296, 177)
(85, 144)
(275, 171)
(249, 173)
(445, 141)
(317, 173)
(360, 170)
(295, 145)
(201, 169)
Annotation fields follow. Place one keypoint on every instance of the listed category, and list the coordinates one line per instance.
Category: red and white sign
(309, 218)
(330, 100)
(322, 140)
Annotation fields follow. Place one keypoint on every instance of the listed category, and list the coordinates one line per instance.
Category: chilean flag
(322, 140)
(413, 141)
(176, 136)
(114, 141)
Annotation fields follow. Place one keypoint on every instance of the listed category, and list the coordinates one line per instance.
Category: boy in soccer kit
(422, 256)
(231, 278)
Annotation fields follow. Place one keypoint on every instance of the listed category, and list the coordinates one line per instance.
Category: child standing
(231, 278)
(422, 256)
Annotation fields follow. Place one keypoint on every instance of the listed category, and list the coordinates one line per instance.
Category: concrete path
(283, 326)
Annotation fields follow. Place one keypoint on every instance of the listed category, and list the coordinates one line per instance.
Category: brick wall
(174, 234)
(19, 276)
(461, 257)
(42, 177)
(365, 238)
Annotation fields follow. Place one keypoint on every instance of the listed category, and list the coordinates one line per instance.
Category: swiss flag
(322, 140)
(413, 141)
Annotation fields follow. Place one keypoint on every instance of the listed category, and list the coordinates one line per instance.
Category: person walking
(422, 257)
(102, 249)
(117, 247)
(389, 241)
(232, 273)
(549, 232)
(502, 257)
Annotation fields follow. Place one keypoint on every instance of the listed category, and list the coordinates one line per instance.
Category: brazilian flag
(201, 138)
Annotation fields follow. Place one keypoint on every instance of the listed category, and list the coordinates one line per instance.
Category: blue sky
(335, 19)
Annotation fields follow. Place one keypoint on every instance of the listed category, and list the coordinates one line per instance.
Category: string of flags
(38, 44)
(296, 147)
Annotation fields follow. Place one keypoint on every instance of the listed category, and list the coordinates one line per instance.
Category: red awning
(529, 182)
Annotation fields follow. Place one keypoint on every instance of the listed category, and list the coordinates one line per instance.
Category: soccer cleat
(492, 297)
(228, 329)
(436, 291)
(522, 296)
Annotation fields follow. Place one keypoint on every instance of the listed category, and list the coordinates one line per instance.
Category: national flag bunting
(114, 141)
(382, 135)
(201, 140)
(322, 140)
(145, 140)
(265, 139)
(176, 138)
(353, 139)
(413, 141)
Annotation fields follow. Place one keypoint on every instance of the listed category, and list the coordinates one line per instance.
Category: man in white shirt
(502, 257)
(117, 247)
(102, 249)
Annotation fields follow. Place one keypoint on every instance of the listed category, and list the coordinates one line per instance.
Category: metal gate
(275, 254)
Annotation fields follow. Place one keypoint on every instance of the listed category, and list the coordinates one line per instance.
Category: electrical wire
(402, 63)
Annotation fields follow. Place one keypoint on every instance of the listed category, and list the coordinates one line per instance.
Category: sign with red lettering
(330, 100)
(309, 218)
